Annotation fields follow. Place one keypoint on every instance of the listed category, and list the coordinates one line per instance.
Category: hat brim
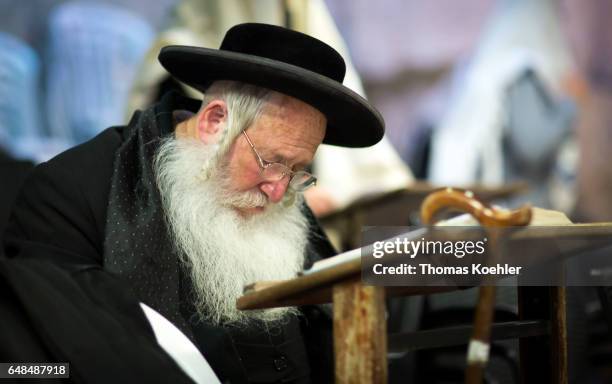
(351, 120)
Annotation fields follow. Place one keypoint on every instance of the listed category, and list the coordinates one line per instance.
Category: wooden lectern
(359, 319)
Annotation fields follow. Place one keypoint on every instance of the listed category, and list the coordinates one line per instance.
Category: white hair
(244, 102)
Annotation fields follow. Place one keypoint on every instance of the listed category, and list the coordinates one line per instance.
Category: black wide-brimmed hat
(286, 61)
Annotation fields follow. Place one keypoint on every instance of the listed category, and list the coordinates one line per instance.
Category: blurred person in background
(590, 38)
(509, 115)
(76, 54)
(405, 52)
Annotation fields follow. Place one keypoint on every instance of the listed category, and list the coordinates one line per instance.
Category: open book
(540, 217)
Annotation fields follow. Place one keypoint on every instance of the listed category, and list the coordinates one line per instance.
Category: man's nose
(275, 190)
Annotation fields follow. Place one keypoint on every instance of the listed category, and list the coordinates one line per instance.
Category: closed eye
(278, 158)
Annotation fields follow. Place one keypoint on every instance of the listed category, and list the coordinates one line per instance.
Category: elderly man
(191, 201)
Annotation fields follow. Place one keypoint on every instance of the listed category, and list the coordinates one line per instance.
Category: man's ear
(211, 121)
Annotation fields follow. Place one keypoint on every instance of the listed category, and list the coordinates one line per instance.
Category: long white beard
(223, 250)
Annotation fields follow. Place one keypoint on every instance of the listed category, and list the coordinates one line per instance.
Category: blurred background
(478, 93)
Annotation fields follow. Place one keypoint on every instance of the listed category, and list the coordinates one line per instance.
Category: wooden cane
(492, 219)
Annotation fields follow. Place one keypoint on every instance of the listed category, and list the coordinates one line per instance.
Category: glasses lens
(275, 172)
(301, 181)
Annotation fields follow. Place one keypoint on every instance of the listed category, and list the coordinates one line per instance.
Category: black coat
(12, 174)
(70, 215)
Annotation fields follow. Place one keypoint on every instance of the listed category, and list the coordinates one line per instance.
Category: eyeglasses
(298, 181)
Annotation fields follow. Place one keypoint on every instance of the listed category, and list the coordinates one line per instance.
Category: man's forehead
(282, 106)
(290, 130)
(292, 119)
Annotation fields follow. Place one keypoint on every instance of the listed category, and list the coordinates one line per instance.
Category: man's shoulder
(63, 201)
(87, 168)
(95, 155)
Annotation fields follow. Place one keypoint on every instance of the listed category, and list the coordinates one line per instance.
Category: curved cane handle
(487, 216)
(465, 201)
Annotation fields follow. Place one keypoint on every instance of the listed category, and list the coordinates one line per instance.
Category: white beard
(222, 250)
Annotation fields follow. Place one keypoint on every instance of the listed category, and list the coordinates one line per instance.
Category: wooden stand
(360, 340)
(547, 303)
(360, 333)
